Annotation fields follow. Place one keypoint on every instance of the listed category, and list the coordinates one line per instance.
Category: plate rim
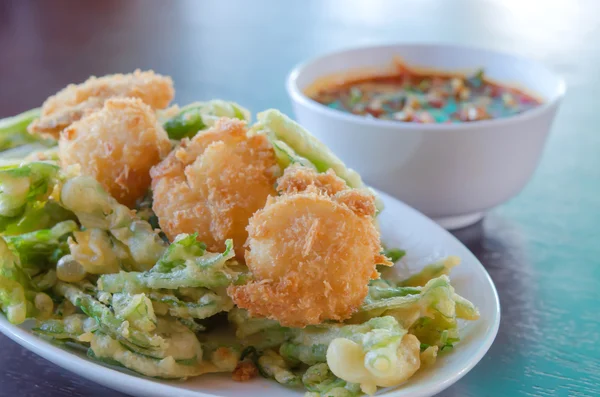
(127, 383)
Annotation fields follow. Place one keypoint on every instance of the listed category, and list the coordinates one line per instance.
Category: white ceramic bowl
(451, 172)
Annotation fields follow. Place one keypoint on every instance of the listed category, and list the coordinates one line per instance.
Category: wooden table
(542, 248)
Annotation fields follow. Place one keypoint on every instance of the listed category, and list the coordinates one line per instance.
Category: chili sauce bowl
(452, 173)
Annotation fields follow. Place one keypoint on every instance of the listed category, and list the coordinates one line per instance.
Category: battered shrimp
(117, 145)
(312, 251)
(75, 101)
(212, 184)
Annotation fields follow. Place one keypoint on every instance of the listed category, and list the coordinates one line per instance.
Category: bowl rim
(298, 96)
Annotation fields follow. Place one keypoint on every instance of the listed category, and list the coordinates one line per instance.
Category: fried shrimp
(117, 146)
(311, 251)
(212, 184)
(75, 101)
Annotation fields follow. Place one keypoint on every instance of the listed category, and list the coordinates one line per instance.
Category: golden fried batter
(244, 371)
(75, 101)
(117, 145)
(214, 183)
(297, 179)
(311, 252)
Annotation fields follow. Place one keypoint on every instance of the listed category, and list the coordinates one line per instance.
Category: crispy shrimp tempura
(213, 183)
(117, 146)
(75, 101)
(312, 251)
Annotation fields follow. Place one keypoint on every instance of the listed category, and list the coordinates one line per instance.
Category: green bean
(70, 327)
(376, 293)
(246, 325)
(318, 378)
(395, 254)
(429, 314)
(464, 308)
(430, 272)
(106, 359)
(179, 271)
(142, 241)
(144, 212)
(44, 281)
(19, 299)
(109, 323)
(286, 156)
(37, 215)
(191, 324)
(208, 305)
(240, 112)
(12, 300)
(201, 115)
(310, 345)
(278, 126)
(272, 365)
(13, 130)
(136, 309)
(436, 295)
(96, 209)
(11, 268)
(186, 124)
(42, 248)
(21, 187)
(310, 355)
(97, 252)
(320, 382)
(64, 308)
(184, 248)
(350, 390)
(107, 349)
(259, 332)
(187, 277)
(16, 290)
(293, 144)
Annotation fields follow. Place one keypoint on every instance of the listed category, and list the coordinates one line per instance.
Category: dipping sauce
(423, 97)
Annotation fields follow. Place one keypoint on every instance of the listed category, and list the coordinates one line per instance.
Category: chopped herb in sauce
(412, 96)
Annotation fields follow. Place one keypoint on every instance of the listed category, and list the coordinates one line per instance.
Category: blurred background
(533, 247)
(242, 50)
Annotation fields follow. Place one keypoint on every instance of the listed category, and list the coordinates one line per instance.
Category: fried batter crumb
(75, 101)
(244, 371)
(361, 201)
(298, 179)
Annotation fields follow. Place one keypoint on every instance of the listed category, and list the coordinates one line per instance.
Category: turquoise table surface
(542, 248)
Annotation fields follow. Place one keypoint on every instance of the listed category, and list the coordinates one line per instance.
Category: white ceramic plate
(401, 227)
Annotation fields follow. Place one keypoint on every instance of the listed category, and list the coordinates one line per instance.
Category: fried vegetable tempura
(75, 101)
(117, 146)
(312, 251)
(213, 183)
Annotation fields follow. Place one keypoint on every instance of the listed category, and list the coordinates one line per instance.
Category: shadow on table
(501, 247)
